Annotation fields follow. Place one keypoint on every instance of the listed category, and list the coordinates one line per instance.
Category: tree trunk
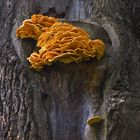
(56, 103)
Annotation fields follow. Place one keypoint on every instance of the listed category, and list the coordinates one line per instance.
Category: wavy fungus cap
(59, 42)
(32, 28)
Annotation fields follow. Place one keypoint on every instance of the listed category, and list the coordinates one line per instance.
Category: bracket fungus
(94, 120)
(58, 42)
(34, 27)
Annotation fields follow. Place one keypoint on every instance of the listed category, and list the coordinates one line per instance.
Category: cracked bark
(55, 104)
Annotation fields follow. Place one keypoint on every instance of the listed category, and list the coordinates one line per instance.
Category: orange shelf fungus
(94, 120)
(58, 42)
(34, 27)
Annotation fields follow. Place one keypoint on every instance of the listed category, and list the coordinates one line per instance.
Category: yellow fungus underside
(58, 42)
(94, 120)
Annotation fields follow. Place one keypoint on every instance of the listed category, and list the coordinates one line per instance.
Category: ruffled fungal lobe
(34, 27)
(65, 43)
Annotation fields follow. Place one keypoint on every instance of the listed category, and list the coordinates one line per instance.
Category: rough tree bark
(56, 103)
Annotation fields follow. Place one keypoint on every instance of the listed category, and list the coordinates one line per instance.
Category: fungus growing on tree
(34, 27)
(94, 120)
(58, 42)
